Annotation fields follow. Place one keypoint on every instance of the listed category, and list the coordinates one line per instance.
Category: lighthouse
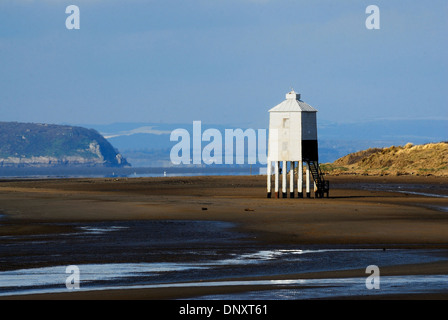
(292, 144)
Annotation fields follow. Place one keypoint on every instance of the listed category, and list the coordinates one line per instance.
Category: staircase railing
(322, 185)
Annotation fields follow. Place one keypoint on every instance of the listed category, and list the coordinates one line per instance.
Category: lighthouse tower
(293, 141)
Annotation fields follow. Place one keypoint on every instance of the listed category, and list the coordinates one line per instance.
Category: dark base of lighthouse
(310, 150)
(284, 195)
(308, 195)
(300, 195)
(269, 195)
(291, 194)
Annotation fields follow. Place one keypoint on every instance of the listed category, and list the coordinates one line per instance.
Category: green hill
(35, 144)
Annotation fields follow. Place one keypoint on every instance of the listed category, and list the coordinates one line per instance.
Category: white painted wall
(285, 142)
(285, 133)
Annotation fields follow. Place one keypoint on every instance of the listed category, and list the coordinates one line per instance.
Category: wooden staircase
(322, 185)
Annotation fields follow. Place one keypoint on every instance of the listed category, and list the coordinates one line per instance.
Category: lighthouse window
(285, 122)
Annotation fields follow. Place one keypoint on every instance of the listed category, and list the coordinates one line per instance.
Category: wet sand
(351, 216)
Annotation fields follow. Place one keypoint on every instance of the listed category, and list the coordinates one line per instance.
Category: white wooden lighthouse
(293, 141)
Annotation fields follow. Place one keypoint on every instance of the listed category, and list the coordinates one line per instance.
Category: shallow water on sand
(427, 190)
(344, 287)
(289, 289)
(132, 254)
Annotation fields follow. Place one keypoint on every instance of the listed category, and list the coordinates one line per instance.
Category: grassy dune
(427, 159)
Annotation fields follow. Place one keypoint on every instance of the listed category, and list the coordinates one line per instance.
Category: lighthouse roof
(293, 104)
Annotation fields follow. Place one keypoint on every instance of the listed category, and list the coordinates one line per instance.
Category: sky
(221, 61)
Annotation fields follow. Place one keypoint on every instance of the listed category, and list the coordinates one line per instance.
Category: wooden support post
(269, 178)
(276, 179)
(291, 179)
(308, 194)
(284, 171)
(300, 179)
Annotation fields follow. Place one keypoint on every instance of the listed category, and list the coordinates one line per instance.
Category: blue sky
(221, 61)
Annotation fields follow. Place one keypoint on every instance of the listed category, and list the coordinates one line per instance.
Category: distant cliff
(47, 145)
(426, 159)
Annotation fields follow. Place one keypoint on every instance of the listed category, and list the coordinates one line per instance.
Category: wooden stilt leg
(300, 179)
(284, 171)
(308, 193)
(269, 178)
(291, 179)
(276, 179)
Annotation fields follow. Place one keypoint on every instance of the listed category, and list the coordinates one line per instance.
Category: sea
(125, 172)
